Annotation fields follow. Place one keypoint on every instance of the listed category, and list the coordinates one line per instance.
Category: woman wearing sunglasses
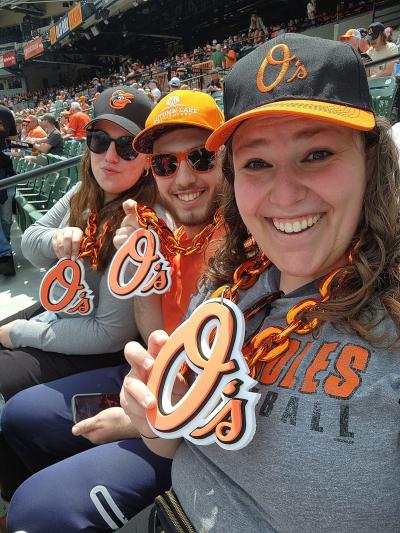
(53, 345)
(312, 210)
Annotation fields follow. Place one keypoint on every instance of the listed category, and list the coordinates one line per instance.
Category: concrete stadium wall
(332, 31)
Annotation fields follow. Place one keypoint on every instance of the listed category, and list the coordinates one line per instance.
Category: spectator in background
(181, 73)
(217, 57)
(53, 144)
(78, 121)
(311, 11)
(83, 102)
(18, 125)
(256, 23)
(33, 130)
(64, 122)
(7, 131)
(215, 83)
(230, 55)
(351, 37)
(380, 49)
(174, 83)
(155, 91)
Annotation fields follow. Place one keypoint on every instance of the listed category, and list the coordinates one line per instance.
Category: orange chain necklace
(90, 244)
(170, 241)
(274, 340)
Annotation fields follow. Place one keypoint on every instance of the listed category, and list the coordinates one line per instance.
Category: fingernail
(148, 362)
(75, 431)
(148, 399)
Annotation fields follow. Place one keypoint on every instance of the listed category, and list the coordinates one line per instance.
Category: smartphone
(87, 405)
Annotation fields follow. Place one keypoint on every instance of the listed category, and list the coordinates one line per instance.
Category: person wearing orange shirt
(83, 102)
(188, 180)
(78, 121)
(33, 130)
(230, 56)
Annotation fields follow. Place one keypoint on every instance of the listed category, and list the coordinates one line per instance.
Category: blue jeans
(76, 486)
(6, 223)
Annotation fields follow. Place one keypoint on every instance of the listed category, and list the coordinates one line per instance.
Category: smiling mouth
(299, 225)
(188, 196)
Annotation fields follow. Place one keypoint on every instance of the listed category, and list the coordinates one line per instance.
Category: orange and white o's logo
(142, 251)
(69, 278)
(218, 407)
(280, 55)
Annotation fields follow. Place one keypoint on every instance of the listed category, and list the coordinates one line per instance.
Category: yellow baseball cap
(179, 108)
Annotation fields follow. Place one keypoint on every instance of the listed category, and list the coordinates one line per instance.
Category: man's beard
(194, 219)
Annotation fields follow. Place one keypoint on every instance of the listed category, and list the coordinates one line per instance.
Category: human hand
(128, 225)
(107, 426)
(135, 396)
(5, 339)
(66, 242)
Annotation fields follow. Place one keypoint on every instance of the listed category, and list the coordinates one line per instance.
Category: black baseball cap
(294, 74)
(363, 32)
(123, 105)
(374, 30)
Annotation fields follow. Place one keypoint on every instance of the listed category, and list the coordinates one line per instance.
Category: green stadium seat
(385, 92)
(218, 96)
(32, 212)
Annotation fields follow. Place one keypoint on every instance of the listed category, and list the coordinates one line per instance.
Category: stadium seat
(385, 92)
(218, 96)
(32, 211)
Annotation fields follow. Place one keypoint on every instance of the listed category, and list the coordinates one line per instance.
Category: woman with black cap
(312, 259)
(380, 48)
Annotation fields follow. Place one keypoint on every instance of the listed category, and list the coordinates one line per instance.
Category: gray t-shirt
(107, 329)
(56, 141)
(325, 457)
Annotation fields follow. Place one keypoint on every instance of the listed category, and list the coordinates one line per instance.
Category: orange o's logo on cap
(119, 99)
(285, 61)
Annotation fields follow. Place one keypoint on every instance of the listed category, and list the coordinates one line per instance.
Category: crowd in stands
(224, 53)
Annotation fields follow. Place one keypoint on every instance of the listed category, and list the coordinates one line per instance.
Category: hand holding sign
(128, 225)
(135, 396)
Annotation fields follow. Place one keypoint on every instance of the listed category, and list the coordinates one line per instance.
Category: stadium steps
(19, 292)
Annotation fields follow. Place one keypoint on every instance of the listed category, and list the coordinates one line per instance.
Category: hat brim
(125, 123)
(339, 114)
(143, 142)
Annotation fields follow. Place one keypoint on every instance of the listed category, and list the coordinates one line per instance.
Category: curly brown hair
(374, 274)
(90, 199)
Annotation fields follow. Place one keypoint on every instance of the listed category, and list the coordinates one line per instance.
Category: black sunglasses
(98, 141)
(165, 165)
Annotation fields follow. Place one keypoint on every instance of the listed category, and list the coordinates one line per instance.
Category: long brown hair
(90, 199)
(374, 275)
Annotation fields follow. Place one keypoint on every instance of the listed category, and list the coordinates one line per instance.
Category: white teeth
(288, 228)
(189, 197)
(298, 225)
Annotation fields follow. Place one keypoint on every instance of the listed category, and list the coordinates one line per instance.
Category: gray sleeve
(54, 138)
(107, 330)
(36, 241)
